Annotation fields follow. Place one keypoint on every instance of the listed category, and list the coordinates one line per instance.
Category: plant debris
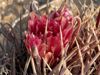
(80, 56)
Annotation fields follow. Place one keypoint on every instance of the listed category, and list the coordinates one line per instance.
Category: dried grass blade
(92, 7)
(91, 62)
(36, 7)
(57, 69)
(44, 68)
(80, 2)
(46, 30)
(9, 34)
(65, 71)
(72, 54)
(35, 54)
(20, 31)
(26, 66)
(45, 41)
(33, 66)
(92, 71)
(62, 9)
(62, 47)
(44, 64)
(47, 64)
(8, 47)
(88, 18)
(81, 58)
(14, 62)
(2, 48)
(47, 8)
(96, 38)
(77, 9)
(76, 31)
(4, 31)
(98, 70)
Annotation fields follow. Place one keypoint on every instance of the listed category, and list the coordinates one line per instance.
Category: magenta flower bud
(36, 35)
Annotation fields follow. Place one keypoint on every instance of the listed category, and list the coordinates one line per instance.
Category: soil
(11, 9)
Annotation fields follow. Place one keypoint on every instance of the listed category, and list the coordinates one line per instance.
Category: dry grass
(81, 56)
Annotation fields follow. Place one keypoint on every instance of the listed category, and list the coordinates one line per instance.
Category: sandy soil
(11, 9)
